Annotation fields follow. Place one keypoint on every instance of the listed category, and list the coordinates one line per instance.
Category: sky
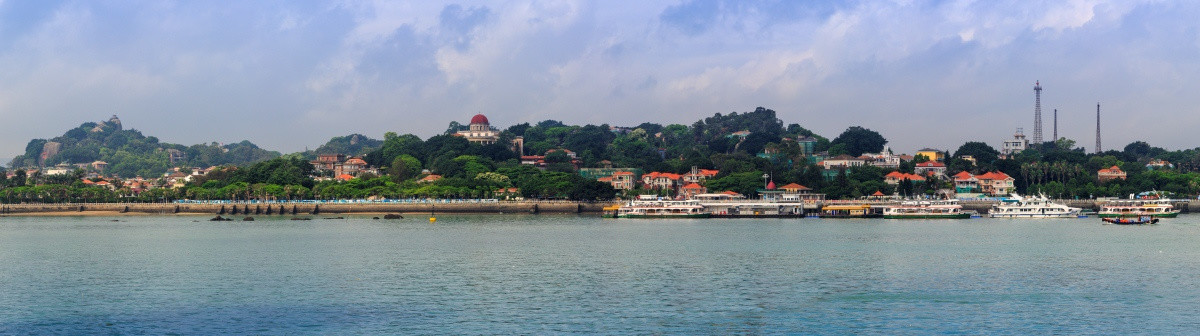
(289, 75)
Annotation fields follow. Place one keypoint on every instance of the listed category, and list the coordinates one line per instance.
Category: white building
(1017, 144)
(480, 131)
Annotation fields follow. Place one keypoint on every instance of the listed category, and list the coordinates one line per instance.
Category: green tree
(859, 140)
(982, 152)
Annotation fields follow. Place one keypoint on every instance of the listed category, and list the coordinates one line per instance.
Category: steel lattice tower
(1098, 149)
(1037, 113)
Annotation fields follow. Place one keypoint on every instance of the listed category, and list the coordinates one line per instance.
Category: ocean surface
(526, 274)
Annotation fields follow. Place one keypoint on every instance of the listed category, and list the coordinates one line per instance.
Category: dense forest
(743, 146)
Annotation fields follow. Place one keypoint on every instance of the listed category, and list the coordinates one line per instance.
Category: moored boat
(1135, 208)
(931, 209)
(1032, 207)
(847, 211)
(651, 207)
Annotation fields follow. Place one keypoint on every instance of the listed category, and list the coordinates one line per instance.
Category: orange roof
(931, 164)
(793, 186)
(622, 173)
(900, 176)
(86, 181)
(877, 193)
(709, 172)
(962, 175)
(993, 176)
(658, 174)
(693, 186)
(345, 177)
(356, 161)
(431, 178)
(605, 179)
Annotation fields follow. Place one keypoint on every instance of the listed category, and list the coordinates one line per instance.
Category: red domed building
(480, 131)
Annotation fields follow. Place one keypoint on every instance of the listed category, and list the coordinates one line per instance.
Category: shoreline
(297, 209)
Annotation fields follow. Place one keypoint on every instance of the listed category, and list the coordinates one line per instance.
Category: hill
(129, 153)
(352, 145)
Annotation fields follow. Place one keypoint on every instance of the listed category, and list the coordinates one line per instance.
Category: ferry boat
(848, 211)
(649, 206)
(1157, 208)
(1032, 207)
(931, 209)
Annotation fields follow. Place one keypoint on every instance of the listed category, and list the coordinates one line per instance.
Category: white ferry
(1032, 207)
(1159, 208)
(930, 209)
(650, 206)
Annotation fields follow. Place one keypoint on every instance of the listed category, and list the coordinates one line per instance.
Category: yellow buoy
(432, 219)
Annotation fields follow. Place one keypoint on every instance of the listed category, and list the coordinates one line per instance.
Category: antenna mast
(1098, 148)
(1037, 113)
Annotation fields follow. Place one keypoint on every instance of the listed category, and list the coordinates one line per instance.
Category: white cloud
(375, 66)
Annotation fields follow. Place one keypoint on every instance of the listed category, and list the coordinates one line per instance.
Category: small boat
(1139, 220)
(931, 209)
(610, 211)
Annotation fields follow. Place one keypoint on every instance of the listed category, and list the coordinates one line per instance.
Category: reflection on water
(521, 274)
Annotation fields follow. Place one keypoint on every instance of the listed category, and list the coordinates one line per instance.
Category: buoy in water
(432, 219)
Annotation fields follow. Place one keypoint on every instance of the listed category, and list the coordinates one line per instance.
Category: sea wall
(1185, 206)
(308, 208)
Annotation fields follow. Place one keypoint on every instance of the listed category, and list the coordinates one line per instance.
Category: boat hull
(1172, 214)
(1129, 221)
(929, 216)
(850, 216)
(1034, 216)
(699, 215)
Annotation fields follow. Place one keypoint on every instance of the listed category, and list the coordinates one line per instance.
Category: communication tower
(1037, 113)
(1098, 148)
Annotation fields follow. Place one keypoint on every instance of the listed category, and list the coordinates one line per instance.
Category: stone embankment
(299, 208)
(1185, 206)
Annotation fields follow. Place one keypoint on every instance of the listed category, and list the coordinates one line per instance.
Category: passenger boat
(1131, 220)
(1032, 207)
(931, 209)
(651, 207)
(847, 211)
(1136, 208)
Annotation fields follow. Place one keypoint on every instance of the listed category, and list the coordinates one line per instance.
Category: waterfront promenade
(300, 208)
(421, 206)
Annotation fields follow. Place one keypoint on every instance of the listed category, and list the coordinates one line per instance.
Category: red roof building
(1109, 174)
(895, 177)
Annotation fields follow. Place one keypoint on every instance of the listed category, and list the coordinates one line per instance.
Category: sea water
(540, 274)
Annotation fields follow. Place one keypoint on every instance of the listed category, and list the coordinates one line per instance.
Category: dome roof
(479, 119)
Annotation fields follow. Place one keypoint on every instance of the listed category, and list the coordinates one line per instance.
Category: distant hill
(129, 153)
(352, 145)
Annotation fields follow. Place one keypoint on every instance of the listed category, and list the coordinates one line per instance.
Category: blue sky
(289, 75)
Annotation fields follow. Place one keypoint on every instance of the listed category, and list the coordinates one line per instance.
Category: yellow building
(932, 154)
